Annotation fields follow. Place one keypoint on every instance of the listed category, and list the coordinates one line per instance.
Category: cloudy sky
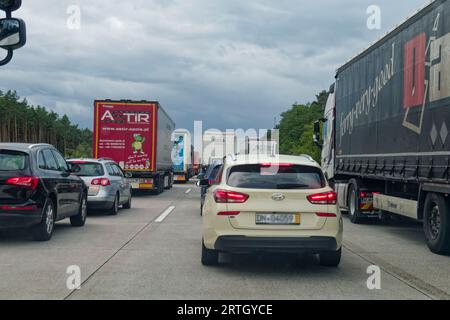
(230, 63)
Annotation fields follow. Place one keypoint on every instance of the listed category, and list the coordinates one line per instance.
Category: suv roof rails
(105, 159)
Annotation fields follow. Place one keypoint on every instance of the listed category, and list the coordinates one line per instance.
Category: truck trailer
(137, 135)
(385, 132)
(182, 154)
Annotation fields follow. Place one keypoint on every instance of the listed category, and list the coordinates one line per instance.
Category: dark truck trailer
(137, 135)
(387, 126)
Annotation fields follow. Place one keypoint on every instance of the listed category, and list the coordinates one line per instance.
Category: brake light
(281, 165)
(101, 182)
(229, 213)
(26, 182)
(326, 198)
(222, 196)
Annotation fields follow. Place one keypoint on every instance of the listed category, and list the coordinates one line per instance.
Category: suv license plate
(278, 219)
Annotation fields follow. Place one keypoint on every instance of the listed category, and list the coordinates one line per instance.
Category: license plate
(180, 178)
(278, 219)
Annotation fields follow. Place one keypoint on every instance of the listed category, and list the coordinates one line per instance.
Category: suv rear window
(13, 161)
(89, 169)
(287, 177)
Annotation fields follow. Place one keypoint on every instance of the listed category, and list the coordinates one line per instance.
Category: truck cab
(324, 136)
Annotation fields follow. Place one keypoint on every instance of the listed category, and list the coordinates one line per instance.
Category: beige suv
(271, 204)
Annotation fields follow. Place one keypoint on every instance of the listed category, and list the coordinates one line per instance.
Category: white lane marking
(188, 191)
(165, 214)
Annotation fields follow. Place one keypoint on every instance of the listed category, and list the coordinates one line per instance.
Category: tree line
(21, 122)
(296, 127)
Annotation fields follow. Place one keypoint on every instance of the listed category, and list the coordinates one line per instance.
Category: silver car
(108, 186)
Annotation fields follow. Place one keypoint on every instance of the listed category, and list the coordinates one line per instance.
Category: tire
(160, 185)
(127, 205)
(167, 186)
(331, 258)
(436, 223)
(44, 230)
(209, 257)
(353, 204)
(115, 207)
(80, 219)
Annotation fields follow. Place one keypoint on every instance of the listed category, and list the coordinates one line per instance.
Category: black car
(209, 175)
(37, 189)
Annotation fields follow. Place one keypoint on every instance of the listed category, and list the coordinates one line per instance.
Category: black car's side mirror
(201, 176)
(74, 168)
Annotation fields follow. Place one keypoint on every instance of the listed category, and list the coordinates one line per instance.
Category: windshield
(287, 177)
(13, 161)
(89, 169)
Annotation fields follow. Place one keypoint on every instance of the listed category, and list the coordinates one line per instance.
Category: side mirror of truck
(316, 135)
(12, 33)
(10, 5)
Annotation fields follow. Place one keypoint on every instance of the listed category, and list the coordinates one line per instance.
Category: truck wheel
(331, 258)
(209, 257)
(436, 223)
(353, 204)
(167, 182)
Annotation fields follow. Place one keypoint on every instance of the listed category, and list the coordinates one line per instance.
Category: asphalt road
(153, 252)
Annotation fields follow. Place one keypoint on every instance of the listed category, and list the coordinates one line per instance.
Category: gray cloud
(229, 63)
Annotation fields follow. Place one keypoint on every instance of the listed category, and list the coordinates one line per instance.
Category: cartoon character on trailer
(138, 144)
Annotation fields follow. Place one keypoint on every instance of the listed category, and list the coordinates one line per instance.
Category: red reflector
(26, 182)
(222, 196)
(17, 208)
(229, 213)
(101, 182)
(326, 215)
(327, 198)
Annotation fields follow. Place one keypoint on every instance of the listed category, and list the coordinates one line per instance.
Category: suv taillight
(101, 182)
(326, 198)
(222, 196)
(25, 182)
